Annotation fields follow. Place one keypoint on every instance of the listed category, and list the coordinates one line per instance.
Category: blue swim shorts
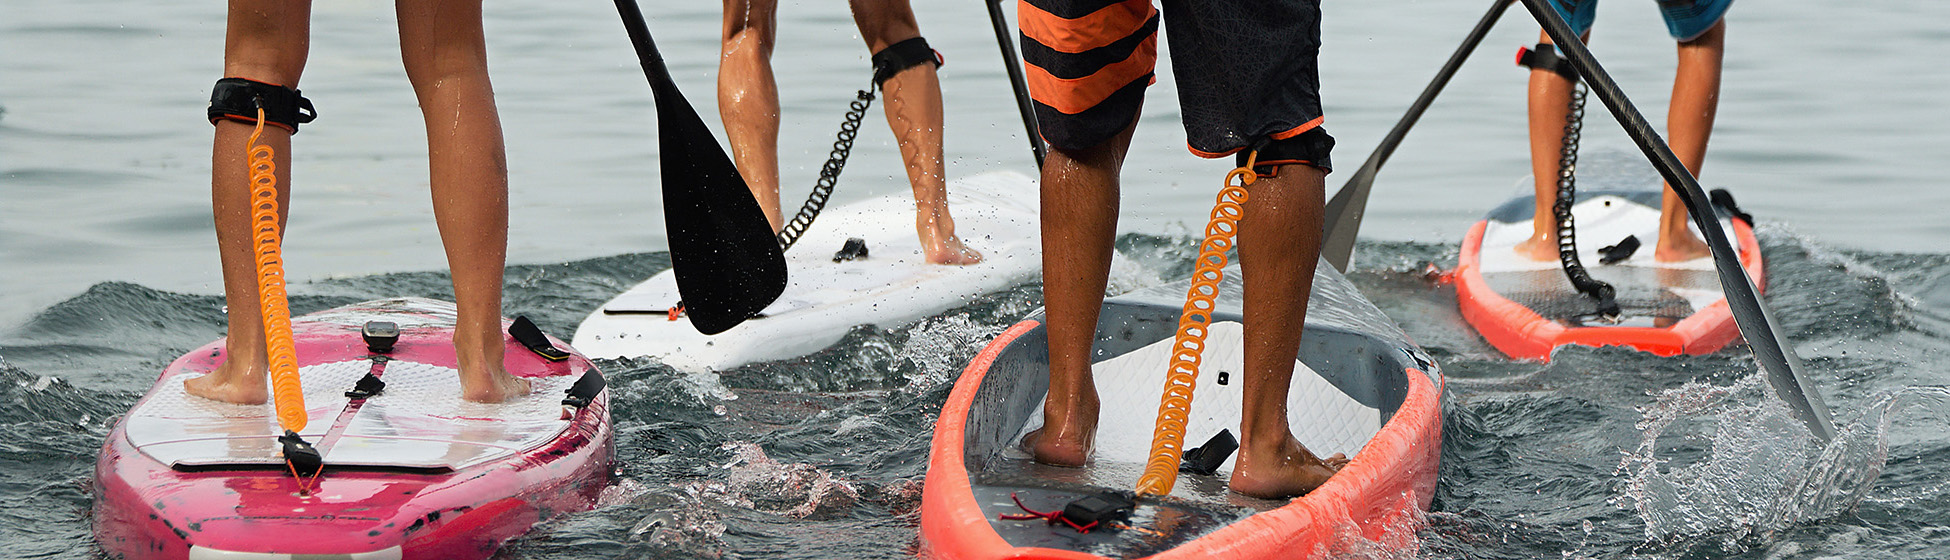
(1685, 19)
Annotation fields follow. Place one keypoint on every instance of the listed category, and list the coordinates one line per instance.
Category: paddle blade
(1343, 217)
(727, 260)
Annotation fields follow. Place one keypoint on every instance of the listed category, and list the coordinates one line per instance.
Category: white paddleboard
(995, 213)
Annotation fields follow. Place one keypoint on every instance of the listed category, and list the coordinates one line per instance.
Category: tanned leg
(1689, 122)
(913, 105)
(445, 53)
(1279, 243)
(1550, 101)
(748, 98)
(1080, 190)
(267, 42)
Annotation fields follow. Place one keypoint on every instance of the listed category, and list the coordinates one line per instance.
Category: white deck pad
(1323, 418)
(995, 213)
(181, 430)
(419, 421)
(1604, 220)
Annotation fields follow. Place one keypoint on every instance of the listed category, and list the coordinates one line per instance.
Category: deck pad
(1129, 387)
(1647, 288)
(418, 421)
(1526, 308)
(995, 214)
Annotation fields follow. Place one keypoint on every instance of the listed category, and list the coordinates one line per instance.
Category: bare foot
(1680, 248)
(1291, 471)
(1065, 440)
(232, 382)
(493, 387)
(1057, 451)
(952, 252)
(1538, 248)
(939, 243)
(483, 378)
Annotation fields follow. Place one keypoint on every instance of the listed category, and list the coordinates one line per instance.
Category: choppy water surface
(1829, 128)
(1602, 453)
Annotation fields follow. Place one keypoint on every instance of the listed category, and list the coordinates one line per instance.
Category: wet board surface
(1130, 385)
(995, 213)
(1359, 388)
(1526, 307)
(419, 421)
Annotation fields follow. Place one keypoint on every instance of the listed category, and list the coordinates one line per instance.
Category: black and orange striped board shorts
(1246, 72)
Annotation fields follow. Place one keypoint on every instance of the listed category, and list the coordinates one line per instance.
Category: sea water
(1828, 130)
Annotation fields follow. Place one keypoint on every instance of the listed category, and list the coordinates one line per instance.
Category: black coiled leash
(886, 63)
(1567, 192)
(829, 174)
(1544, 57)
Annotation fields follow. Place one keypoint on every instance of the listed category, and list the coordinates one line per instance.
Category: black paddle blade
(728, 262)
(727, 259)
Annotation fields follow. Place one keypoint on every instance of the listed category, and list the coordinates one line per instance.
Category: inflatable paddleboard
(995, 213)
(1526, 308)
(410, 470)
(1360, 388)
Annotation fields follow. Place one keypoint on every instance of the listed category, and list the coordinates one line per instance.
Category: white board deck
(995, 213)
(418, 421)
(1323, 418)
(1601, 221)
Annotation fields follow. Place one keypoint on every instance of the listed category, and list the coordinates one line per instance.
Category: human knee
(1714, 37)
(751, 20)
(884, 22)
(240, 99)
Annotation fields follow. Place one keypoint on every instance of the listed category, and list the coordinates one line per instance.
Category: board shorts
(1246, 72)
(1685, 19)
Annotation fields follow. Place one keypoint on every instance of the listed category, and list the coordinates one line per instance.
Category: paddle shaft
(1344, 211)
(1756, 322)
(1012, 63)
(646, 49)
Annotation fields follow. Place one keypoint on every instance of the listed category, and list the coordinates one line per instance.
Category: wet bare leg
(914, 113)
(266, 42)
(1689, 123)
(1080, 190)
(748, 98)
(1279, 244)
(445, 53)
(1550, 100)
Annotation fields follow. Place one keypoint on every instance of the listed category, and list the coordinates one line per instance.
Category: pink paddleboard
(410, 472)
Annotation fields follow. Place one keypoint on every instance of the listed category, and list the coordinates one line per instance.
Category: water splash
(1732, 460)
(939, 347)
(794, 490)
(674, 523)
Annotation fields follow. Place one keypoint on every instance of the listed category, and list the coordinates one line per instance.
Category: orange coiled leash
(287, 393)
(1175, 407)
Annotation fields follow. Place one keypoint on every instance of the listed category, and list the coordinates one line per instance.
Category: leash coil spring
(1175, 406)
(829, 174)
(272, 301)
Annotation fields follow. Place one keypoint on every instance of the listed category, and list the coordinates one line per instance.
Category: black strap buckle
(525, 332)
(1544, 57)
(367, 387)
(854, 249)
